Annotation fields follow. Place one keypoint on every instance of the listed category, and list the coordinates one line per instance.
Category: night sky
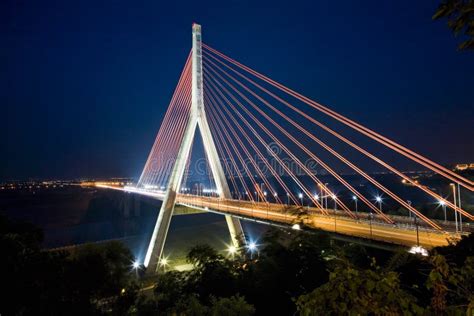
(85, 84)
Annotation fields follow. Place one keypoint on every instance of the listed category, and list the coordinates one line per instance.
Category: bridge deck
(403, 233)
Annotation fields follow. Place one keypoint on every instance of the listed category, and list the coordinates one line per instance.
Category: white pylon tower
(197, 117)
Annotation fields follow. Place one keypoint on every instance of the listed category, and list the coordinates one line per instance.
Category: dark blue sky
(84, 84)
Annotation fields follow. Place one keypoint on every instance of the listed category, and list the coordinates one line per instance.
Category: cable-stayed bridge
(268, 152)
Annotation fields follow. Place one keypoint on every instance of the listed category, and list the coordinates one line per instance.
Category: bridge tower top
(197, 86)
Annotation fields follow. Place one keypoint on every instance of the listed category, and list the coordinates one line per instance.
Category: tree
(202, 254)
(231, 306)
(84, 282)
(460, 15)
(457, 252)
(463, 281)
(350, 291)
(452, 286)
(170, 288)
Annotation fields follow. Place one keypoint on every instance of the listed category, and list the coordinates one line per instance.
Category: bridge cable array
(262, 139)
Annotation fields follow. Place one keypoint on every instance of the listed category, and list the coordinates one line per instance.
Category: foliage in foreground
(87, 281)
(358, 292)
(460, 16)
(442, 289)
(293, 272)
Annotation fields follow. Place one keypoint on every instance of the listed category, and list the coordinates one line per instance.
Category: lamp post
(252, 247)
(459, 205)
(301, 198)
(355, 201)
(443, 205)
(321, 194)
(379, 200)
(268, 204)
(455, 207)
(409, 212)
(326, 195)
(287, 198)
(417, 233)
(164, 263)
(370, 223)
(334, 197)
(232, 250)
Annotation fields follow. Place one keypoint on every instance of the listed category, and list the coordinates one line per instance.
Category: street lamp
(268, 204)
(287, 198)
(417, 231)
(443, 205)
(379, 200)
(232, 250)
(455, 206)
(334, 197)
(252, 247)
(136, 265)
(355, 201)
(321, 194)
(164, 263)
(370, 223)
(301, 198)
(326, 195)
(459, 205)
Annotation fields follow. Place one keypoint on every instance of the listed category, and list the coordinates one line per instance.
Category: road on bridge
(402, 233)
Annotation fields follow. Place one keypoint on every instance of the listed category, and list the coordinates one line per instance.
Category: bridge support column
(197, 118)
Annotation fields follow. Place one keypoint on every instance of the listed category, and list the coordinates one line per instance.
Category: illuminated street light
(136, 265)
(301, 198)
(379, 200)
(252, 246)
(443, 205)
(163, 263)
(232, 250)
(316, 198)
(355, 202)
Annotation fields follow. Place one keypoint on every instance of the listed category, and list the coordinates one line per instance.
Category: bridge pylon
(197, 118)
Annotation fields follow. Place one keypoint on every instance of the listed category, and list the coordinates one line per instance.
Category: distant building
(464, 166)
